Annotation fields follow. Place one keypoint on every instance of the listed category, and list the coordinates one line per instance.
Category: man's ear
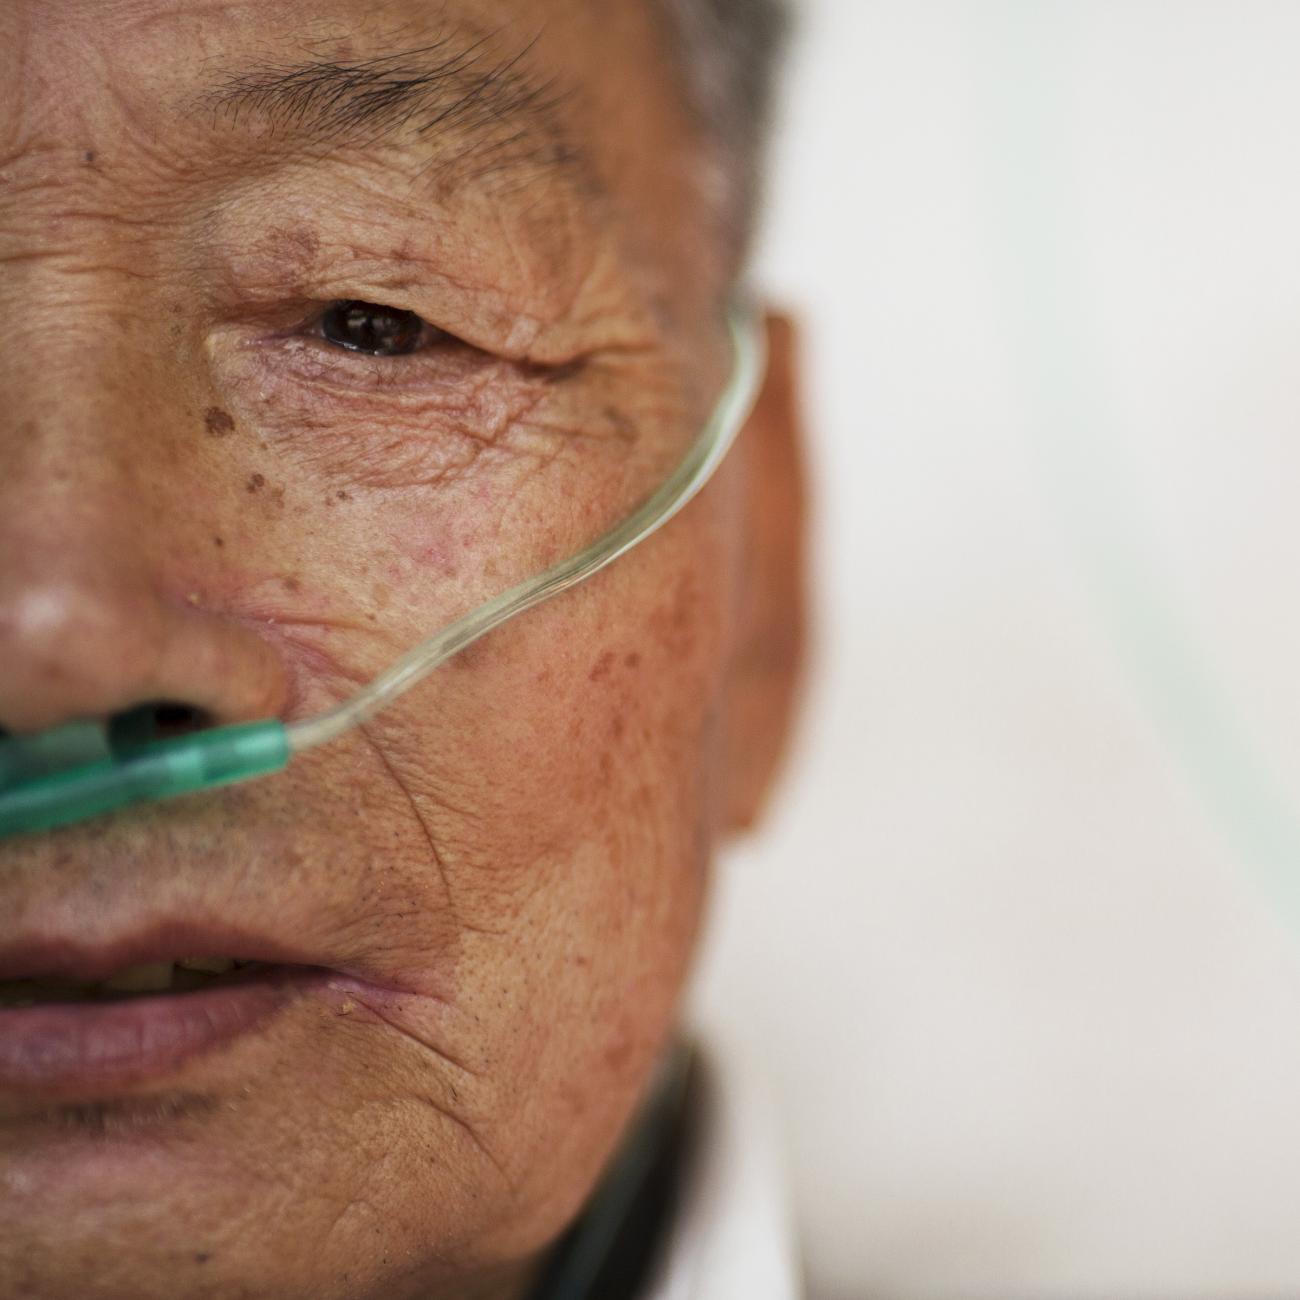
(769, 650)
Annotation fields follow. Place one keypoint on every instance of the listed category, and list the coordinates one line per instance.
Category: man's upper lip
(47, 955)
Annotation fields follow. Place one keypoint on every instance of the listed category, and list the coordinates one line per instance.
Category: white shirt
(733, 1238)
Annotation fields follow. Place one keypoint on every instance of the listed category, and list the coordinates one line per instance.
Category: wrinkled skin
(203, 501)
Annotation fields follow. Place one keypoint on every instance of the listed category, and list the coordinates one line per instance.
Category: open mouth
(84, 1027)
(185, 975)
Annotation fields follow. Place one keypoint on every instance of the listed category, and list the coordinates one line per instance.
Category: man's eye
(374, 329)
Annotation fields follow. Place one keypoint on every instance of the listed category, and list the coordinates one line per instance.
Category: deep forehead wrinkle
(472, 107)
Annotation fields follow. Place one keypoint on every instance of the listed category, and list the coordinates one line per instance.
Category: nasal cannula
(84, 768)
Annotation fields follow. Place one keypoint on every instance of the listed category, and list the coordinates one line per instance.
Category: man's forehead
(219, 93)
(142, 30)
(334, 73)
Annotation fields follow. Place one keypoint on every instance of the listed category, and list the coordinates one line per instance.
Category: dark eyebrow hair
(486, 115)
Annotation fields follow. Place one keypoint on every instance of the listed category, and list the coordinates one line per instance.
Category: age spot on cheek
(217, 422)
(254, 484)
(604, 666)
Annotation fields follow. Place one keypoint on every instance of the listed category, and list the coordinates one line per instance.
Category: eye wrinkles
(282, 188)
(425, 166)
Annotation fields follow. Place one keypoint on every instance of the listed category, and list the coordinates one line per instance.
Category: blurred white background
(1020, 945)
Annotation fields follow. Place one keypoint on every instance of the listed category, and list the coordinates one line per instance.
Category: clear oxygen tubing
(692, 473)
(88, 767)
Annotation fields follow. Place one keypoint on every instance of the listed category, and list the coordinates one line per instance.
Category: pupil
(368, 327)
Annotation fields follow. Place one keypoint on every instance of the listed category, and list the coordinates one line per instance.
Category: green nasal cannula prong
(38, 792)
(82, 769)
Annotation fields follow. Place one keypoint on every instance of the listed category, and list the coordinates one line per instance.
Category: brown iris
(372, 328)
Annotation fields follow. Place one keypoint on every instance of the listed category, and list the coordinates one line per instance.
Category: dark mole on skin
(256, 482)
(88, 157)
(217, 422)
(218, 541)
(201, 1257)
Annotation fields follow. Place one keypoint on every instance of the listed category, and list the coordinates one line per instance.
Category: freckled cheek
(353, 504)
(609, 702)
(411, 559)
(388, 522)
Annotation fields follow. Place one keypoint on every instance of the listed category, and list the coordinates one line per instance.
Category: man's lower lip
(57, 1047)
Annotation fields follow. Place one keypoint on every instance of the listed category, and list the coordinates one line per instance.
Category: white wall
(1021, 944)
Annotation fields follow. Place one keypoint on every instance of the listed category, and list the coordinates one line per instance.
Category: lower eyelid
(384, 433)
(312, 358)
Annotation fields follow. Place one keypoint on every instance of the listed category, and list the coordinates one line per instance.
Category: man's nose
(102, 601)
(99, 640)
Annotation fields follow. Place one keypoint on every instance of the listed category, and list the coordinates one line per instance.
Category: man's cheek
(347, 576)
(580, 715)
(548, 781)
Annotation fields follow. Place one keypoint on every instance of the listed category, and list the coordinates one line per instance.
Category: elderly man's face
(224, 488)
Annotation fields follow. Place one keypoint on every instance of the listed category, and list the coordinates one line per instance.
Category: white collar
(731, 1238)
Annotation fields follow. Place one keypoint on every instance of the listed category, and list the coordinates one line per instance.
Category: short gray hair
(729, 52)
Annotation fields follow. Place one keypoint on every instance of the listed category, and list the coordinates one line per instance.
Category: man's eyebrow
(482, 114)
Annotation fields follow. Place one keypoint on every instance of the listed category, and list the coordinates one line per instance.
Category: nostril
(172, 719)
(159, 720)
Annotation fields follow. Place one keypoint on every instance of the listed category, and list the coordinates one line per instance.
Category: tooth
(212, 965)
(144, 978)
